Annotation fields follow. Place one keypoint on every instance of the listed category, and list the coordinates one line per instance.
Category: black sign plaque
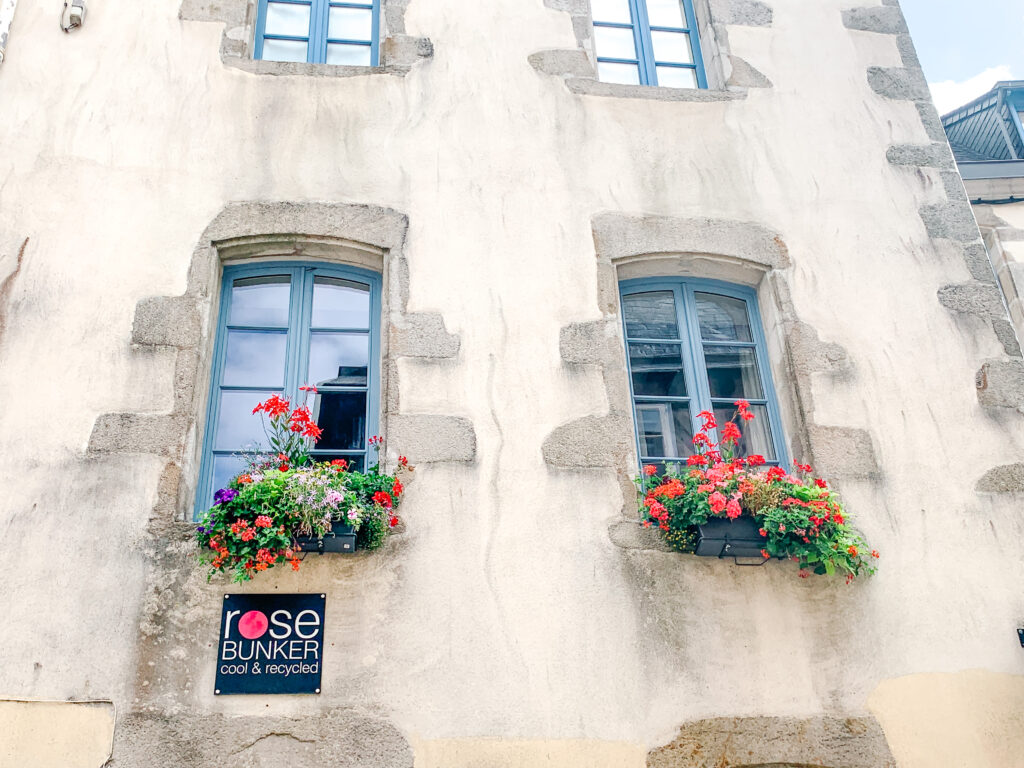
(270, 644)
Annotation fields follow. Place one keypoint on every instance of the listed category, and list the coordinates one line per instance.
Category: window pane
(284, 50)
(657, 369)
(255, 359)
(672, 47)
(665, 13)
(340, 303)
(260, 301)
(732, 372)
(342, 417)
(350, 24)
(676, 77)
(237, 426)
(611, 10)
(626, 74)
(757, 434)
(665, 429)
(225, 469)
(650, 315)
(614, 43)
(722, 318)
(338, 359)
(287, 19)
(350, 55)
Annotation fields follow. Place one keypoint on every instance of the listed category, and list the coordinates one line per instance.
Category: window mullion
(261, 27)
(375, 35)
(318, 17)
(645, 46)
(694, 34)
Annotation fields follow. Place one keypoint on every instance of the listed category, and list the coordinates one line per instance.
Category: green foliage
(799, 516)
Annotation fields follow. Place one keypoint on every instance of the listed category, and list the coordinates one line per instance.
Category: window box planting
(796, 516)
(283, 504)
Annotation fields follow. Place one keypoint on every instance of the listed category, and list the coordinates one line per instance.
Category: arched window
(692, 346)
(648, 42)
(283, 326)
(319, 31)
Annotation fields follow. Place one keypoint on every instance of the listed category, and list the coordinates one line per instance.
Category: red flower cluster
(383, 498)
(800, 517)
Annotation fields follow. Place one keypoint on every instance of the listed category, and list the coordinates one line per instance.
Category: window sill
(399, 53)
(590, 87)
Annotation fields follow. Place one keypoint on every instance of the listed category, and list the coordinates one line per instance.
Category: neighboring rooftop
(987, 136)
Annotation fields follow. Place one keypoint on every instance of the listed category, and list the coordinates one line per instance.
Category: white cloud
(949, 94)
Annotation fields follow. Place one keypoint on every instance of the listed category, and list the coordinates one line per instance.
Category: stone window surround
(183, 327)
(738, 252)
(729, 77)
(399, 52)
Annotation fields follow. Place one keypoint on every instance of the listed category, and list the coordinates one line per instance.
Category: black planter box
(722, 537)
(341, 538)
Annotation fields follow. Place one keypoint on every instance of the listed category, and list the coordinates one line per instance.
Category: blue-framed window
(284, 325)
(648, 42)
(692, 346)
(319, 31)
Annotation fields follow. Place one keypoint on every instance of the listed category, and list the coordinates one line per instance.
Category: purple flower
(224, 495)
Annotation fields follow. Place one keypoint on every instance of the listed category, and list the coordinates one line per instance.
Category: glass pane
(657, 369)
(284, 50)
(614, 43)
(255, 359)
(665, 429)
(722, 318)
(676, 77)
(338, 359)
(340, 303)
(287, 19)
(342, 417)
(611, 10)
(732, 372)
(650, 315)
(672, 47)
(349, 55)
(756, 434)
(225, 469)
(260, 301)
(626, 74)
(350, 24)
(665, 13)
(237, 426)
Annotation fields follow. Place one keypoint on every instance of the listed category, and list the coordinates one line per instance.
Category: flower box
(722, 537)
(341, 538)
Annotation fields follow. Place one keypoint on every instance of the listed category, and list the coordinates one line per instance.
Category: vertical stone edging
(952, 221)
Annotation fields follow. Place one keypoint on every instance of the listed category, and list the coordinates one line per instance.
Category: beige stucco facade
(520, 618)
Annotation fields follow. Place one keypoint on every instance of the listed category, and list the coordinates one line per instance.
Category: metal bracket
(73, 15)
(736, 560)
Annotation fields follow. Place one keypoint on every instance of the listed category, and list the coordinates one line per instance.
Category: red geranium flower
(383, 498)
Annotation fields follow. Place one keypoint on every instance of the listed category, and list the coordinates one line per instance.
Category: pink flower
(732, 509)
(717, 502)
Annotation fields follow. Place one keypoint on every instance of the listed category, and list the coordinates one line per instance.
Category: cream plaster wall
(505, 612)
(55, 734)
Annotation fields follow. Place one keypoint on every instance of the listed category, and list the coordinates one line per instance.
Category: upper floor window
(319, 31)
(693, 346)
(648, 42)
(283, 326)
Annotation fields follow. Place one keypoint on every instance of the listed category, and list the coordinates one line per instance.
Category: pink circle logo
(253, 624)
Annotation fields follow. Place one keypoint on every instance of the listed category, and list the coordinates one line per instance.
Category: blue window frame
(284, 325)
(692, 346)
(648, 42)
(319, 31)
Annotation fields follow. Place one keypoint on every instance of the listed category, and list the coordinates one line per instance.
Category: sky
(966, 46)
